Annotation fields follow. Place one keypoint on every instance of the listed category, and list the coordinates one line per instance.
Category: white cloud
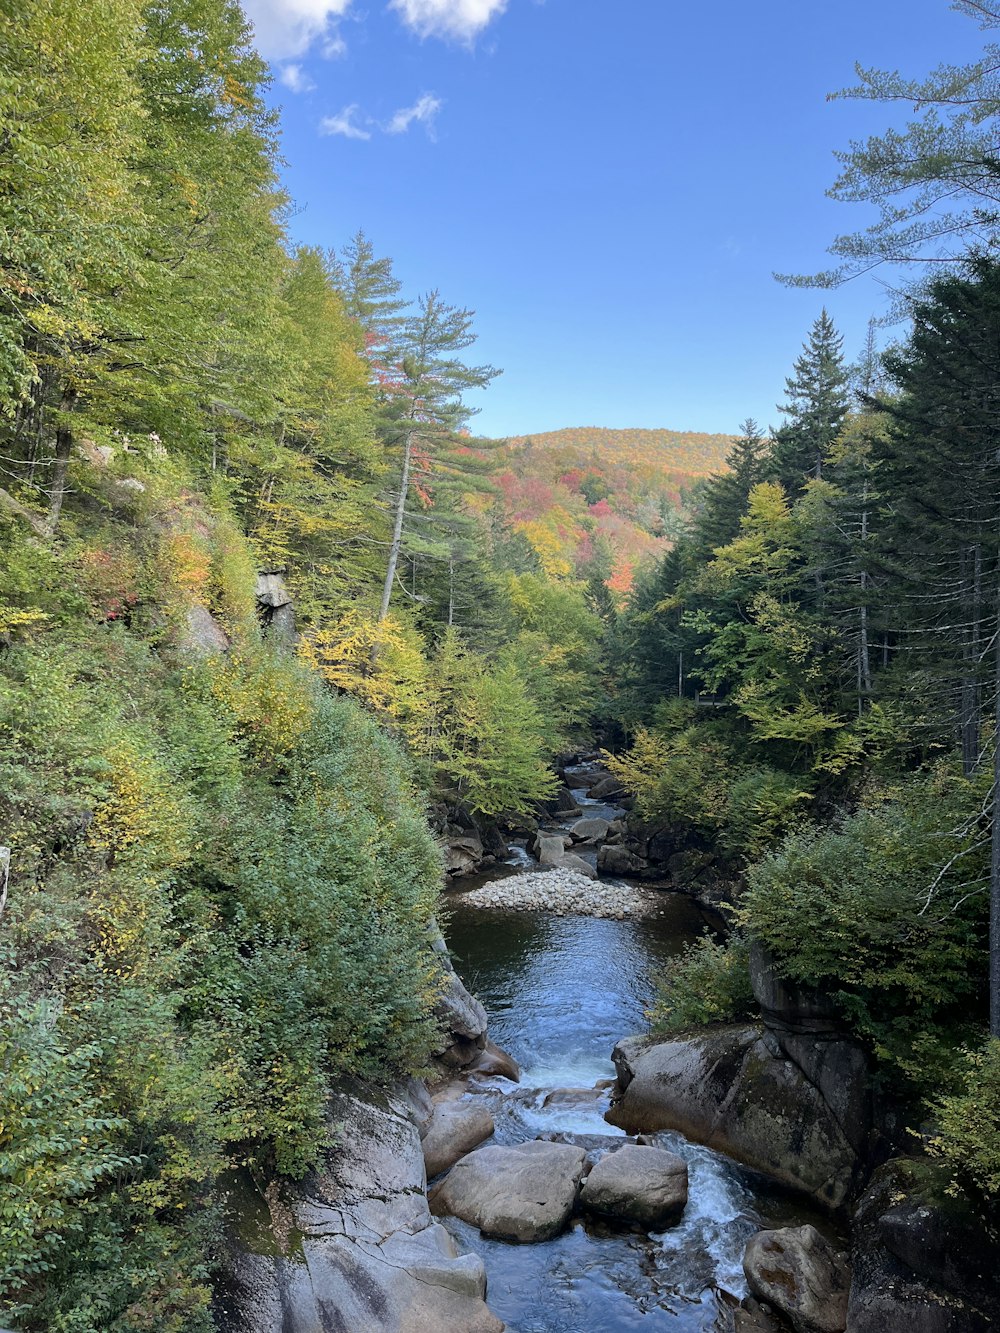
(287, 28)
(294, 77)
(463, 19)
(423, 111)
(343, 123)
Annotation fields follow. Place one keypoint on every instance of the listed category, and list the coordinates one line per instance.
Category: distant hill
(590, 498)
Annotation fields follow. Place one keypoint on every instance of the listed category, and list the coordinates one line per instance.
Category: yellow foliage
(382, 665)
(188, 563)
(271, 702)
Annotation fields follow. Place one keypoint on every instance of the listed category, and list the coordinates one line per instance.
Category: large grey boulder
(725, 1088)
(462, 1019)
(456, 1128)
(590, 830)
(202, 635)
(550, 849)
(807, 1027)
(799, 1273)
(618, 860)
(354, 1247)
(521, 1193)
(644, 1185)
(463, 853)
(606, 788)
(493, 1062)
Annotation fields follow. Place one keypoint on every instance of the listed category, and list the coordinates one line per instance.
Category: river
(559, 992)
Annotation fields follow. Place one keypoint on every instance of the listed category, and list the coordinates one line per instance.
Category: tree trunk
(970, 683)
(60, 470)
(995, 859)
(864, 655)
(397, 531)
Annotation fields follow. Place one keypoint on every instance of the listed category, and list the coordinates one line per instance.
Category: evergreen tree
(424, 405)
(816, 406)
(724, 498)
(940, 467)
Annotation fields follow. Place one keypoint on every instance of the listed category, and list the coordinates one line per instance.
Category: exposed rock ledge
(565, 892)
(724, 1088)
(354, 1247)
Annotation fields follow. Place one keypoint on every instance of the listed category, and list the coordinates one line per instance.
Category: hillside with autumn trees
(600, 502)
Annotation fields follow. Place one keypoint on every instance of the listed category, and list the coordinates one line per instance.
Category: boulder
(494, 1062)
(590, 830)
(800, 1275)
(605, 789)
(616, 860)
(202, 634)
(572, 1097)
(725, 1088)
(807, 1028)
(461, 1017)
(565, 802)
(455, 1129)
(463, 853)
(355, 1249)
(550, 849)
(577, 864)
(521, 1193)
(926, 1264)
(647, 1186)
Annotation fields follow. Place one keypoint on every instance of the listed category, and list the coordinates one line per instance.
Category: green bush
(707, 983)
(888, 912)
(222, 886)
(967, 1140)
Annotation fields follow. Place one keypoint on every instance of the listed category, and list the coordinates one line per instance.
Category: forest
(217, 878)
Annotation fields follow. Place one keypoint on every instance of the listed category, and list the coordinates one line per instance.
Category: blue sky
(608, 185)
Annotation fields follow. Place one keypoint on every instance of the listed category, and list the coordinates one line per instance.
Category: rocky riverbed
(565, 892)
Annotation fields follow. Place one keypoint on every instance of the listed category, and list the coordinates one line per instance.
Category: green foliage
(222, 886)
(707, 983)
(967, 1135)
(888, 912)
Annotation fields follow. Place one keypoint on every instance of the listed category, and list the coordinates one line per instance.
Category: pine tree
(724, 498)
(940, 468)
(816, 407)
(424, 405)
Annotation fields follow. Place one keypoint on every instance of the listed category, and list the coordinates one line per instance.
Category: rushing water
(560, 991)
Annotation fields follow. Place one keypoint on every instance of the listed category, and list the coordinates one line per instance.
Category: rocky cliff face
(354, 1246)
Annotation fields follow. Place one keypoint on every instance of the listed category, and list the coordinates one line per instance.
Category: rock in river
(725, 1088)
(522, 1193)
(798, 1273)
(648, 1186)
(455, 1129)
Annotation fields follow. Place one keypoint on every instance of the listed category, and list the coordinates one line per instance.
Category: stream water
(560, 991)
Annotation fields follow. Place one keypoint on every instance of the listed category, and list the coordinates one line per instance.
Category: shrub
(968, 1124)
(887, 911)
(707, 983)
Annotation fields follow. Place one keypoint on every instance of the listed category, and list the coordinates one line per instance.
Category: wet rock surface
(354, 1247)
(454, 1130)
(723, 1087)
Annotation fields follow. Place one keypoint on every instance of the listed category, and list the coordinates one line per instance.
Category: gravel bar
(564, 893)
